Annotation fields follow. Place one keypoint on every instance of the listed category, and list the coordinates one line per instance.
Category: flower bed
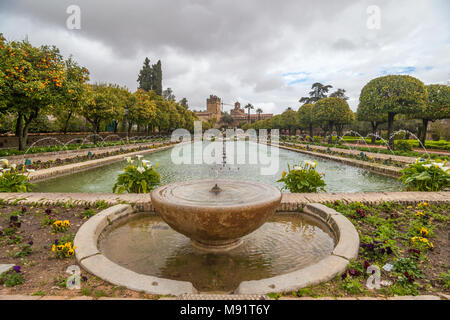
(414, 154)
(38, 240)
(37, 165)
(408, 244)
(362, 156)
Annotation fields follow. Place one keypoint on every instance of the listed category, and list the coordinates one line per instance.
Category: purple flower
(30, 242)
(24, 209)
(361, 212)
(84, 278)
(366, 264)
(48, 211)
(16, 269)
(382, 250)
(13, 219)
(353, 272)
(388, 250)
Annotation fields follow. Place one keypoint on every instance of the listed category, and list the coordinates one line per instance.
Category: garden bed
(45, 274)
(27, 238)
(436, 154)
(412, 239)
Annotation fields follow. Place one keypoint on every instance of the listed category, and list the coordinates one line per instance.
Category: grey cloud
(240, 49)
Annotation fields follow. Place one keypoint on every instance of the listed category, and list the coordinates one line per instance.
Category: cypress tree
(145, 77)
(157, 78)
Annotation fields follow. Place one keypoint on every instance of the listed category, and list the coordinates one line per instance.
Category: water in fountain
(285, 243)
(412, 134)
(43, 139)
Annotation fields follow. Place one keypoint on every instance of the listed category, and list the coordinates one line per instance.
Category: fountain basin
(215, 221)
(93, 259)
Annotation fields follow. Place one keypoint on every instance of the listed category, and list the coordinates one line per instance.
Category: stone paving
(226, 297)
(289, 201)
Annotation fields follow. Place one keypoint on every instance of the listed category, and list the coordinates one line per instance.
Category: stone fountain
(215, 214)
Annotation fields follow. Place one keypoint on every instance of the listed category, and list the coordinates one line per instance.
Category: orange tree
(392, 95)
(333, 112)
(32, 80)
(437, 107)
(103, 104)
(142, 111)
(74, 92)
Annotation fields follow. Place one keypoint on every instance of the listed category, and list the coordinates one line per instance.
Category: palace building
(239, 115)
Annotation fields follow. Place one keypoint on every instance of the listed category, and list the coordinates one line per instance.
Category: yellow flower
(70, 252)
(409, 207)
(423, 231)
(283, 175)
(424, 240)
(413, 239)
(431, 245)
(53, 248)
(420, 214)
(59, 247)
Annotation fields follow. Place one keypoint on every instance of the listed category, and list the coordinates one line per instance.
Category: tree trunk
(390, 122)
(311, 133)
(330, 137)
(374, 131)
(19, 130)
(66, 124)
(424, 129)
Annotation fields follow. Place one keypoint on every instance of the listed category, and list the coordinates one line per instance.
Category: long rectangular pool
(338, 177)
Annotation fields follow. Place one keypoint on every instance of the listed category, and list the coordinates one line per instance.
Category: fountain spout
(216, 189)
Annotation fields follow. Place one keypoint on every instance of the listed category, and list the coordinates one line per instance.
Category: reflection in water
(145, 244)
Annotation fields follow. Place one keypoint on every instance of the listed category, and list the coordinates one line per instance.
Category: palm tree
(318, 92)
(259, 111)
(249, 107)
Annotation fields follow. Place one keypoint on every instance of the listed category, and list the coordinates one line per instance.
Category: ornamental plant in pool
(12, 180)
(303, 178)
(426, 175)
(140, 178)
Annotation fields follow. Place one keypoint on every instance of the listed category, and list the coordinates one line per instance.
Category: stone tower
(213, 105)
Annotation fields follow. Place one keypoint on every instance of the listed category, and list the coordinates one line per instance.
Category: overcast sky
(259, 51)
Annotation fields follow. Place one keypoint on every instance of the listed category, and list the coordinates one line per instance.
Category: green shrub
(142, 178)
(402, 145)
(436, 136)
(303, 179)
(426, 176)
